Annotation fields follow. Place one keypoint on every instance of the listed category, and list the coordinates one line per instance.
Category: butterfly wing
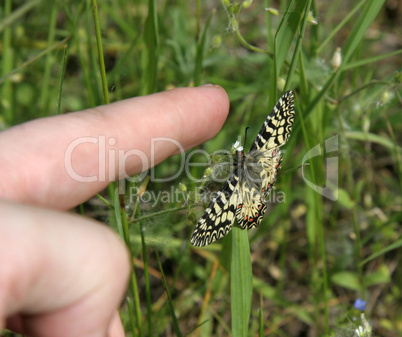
(264, 161)
(251, 209)
(277, 127)
(253, 201)
(240, 197)
(218, 218)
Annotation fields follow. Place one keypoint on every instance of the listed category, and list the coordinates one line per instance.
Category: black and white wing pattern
(277, 128)
(262, 164)
(244, 195)
(218, 218)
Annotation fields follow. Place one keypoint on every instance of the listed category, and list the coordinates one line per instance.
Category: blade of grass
(200, 52)
(207, 297)
(117, 213)
(92, 63)
(45, 86)
(371, 60)
(61, 81)
(130, 306)
(241, 282)
(7, 64)
(298, 47)
(150, 216)
(398, 153)
(100, 52)
(9, 17)
(268, 27)
(170, 302)
(137, 210)
(370, 137)
(315, 232)
(303, 82)
(361, 88)
(395, 245)
(197, 18)
(287, 30)
(314, 37)
(121, 64)
(122, 225)
(33, 59)
(102, 68)
(147, 283)
(340, 25)
(365, 19)
(283, 39)
(261, 317)
(151, 50)
(354, 192)
(73, 18)
(369, 13)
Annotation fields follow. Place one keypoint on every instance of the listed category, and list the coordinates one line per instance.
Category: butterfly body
(257, 175)
(244, 194)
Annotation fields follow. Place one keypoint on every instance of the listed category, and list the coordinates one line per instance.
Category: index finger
(46, 161)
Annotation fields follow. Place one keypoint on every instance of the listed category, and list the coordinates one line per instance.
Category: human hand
(63, 274)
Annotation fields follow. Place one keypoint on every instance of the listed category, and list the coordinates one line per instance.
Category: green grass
(301, 270)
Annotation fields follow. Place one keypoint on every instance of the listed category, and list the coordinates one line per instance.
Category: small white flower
(366, 324)
(365, 330)
(360, 331)
(236, 146)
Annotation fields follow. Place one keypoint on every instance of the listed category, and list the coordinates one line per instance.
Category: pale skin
(62, 274)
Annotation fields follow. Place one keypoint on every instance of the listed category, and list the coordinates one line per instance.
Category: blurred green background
(312, 257)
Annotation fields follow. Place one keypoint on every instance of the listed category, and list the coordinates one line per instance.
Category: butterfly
(244, 195)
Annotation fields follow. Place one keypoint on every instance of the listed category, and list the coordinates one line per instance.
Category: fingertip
(219, 102)
(195, 114)
(211, 109)
(219, 92)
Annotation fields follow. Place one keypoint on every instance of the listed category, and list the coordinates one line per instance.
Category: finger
(116, 327)
(64, 280)
(62, 161)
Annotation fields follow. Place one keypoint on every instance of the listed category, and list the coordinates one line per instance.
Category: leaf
(382, 275)
(344, 199)
(373, 138)
(395, 245)
(286, 32)
(347, 280)
(241, 282)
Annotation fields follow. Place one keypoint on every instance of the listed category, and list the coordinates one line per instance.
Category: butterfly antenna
(245, 137)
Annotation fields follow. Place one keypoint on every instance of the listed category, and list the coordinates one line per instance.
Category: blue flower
(360, 304)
